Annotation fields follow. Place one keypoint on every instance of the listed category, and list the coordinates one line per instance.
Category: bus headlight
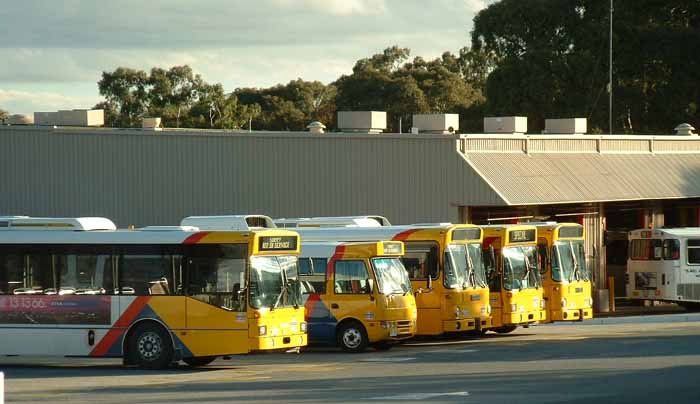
(262, 330)
(543, 303)
(563, 303)
(302, 326)
(488, 308)
(384, 324)
(458, 312)
(588, 301)
(513, 307)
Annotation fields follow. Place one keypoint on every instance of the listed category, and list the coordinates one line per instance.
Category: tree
(551, 61)
(172, 92)
(127, 91)
(386, 82)
(3, 115)
(291, 106)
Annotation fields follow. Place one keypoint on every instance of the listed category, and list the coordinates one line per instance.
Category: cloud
(337, 7)
(57, 47)
(27, 102)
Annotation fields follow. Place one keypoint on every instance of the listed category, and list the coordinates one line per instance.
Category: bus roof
(334, 221)
(56, 223)
(377, 233)
(229, 222)
(664, 232)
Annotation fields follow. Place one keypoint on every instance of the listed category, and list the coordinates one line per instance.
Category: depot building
(610, 184)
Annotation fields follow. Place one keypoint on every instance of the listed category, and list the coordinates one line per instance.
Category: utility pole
(610, 76)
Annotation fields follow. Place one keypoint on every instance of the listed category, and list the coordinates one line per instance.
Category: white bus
(664, 265)
(80, 287)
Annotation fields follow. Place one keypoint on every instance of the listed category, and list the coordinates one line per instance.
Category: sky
(53, 53)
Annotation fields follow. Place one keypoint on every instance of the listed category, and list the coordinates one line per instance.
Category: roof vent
(151, 124)
(685, 129)
(506, 124)
(53, 223)
(230, 222)
(362, 121)
(316, 127)
(334, 221)
(442, 124)
(568, 126)
(170, 228)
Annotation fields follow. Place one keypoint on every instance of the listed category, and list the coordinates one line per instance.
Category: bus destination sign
(571, 231)
(522, 236)
(466, 234)
(276, 243)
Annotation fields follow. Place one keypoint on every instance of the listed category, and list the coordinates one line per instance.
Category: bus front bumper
(282, 342)
(572, 314)
(391, 330)
(466, 324)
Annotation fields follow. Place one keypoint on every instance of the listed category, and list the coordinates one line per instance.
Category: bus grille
(689, 291)
(403, 327)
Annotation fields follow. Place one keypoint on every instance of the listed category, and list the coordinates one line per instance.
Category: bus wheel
(199, 360)
(506, 329)
(382, 346)
(150, 347)
(352, 337)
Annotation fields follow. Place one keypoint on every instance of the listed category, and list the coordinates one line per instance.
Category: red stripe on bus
(120, 326)
(339, 252)
(404, 235)
(195, 238)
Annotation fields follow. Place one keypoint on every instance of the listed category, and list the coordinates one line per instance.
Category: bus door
(216, 310)
(316, 296)
(494, 268)
(353, 291)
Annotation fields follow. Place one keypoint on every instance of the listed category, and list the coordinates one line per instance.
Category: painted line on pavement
(420, 396)
(387, 359)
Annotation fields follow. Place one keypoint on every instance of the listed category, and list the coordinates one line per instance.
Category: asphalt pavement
(603, 363)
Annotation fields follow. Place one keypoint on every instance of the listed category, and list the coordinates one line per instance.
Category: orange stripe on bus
(404, 235)
(120, 325)
(196, 238)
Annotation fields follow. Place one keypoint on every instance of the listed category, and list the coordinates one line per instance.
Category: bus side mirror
(429, 288)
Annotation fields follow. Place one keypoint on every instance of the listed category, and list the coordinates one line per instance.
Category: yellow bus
(565, 275)
(516, 293)
(444, 263)
(356, 294)
(153, 296)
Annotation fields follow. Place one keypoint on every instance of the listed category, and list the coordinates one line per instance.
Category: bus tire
(382, 346)
(150, 346)
(199, 360)
(506, 329)
(352, 337)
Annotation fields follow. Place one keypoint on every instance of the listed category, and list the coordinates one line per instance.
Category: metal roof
(526, 170)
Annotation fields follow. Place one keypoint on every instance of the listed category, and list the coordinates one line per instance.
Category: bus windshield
(274, 282)
(392, 276)
(520, 268)
(569, 262)
(464, 266)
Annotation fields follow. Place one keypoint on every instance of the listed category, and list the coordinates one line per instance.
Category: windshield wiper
(279, 297)
(471, 275)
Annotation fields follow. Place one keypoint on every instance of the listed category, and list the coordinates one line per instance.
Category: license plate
(579, 290)
(475, 298)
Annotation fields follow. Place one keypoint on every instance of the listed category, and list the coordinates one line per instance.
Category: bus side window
(147, 271)
(351, 277)
(84, 270)
(543, 257)
(217, 274)
(38, 274)
(312, 273)
(672, 249)
(11, 270)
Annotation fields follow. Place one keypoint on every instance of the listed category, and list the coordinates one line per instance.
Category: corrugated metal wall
(138, 178)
